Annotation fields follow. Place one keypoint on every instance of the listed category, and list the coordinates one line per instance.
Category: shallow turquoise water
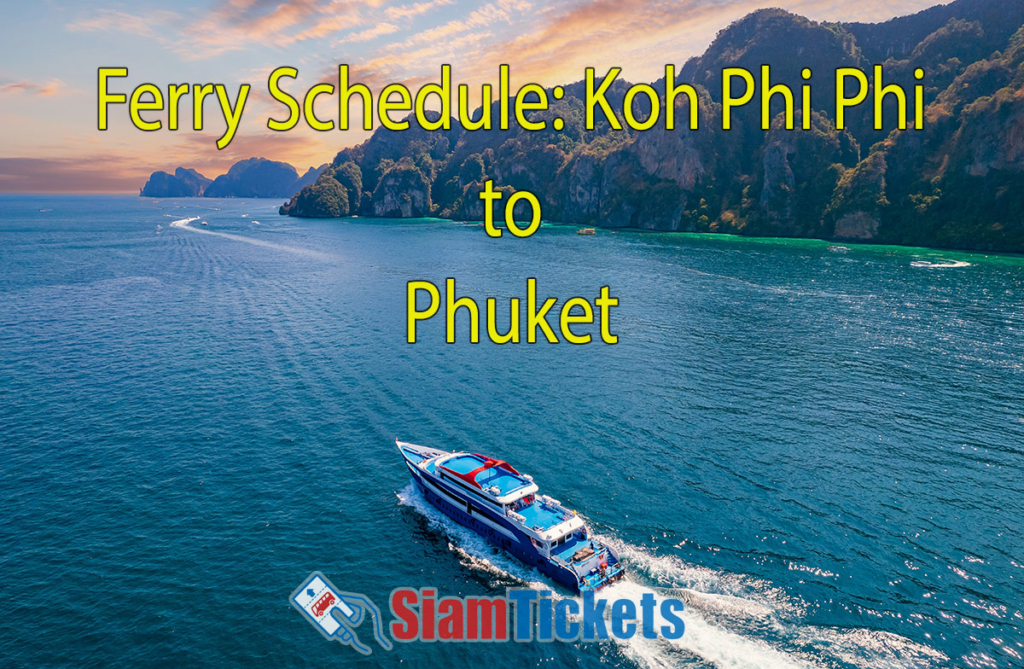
(821, 452)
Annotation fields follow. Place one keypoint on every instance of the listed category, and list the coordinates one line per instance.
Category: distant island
(255, 177)
(958, 183)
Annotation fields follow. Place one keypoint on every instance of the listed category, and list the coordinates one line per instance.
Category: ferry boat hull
(585, 564)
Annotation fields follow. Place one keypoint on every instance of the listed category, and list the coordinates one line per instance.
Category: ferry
(494, 500)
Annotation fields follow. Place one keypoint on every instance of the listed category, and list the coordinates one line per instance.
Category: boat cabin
(502, 485)
(496, 480)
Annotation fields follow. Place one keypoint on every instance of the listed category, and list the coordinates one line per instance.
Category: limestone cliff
(183, 183)
(403, 191)
(255, 177)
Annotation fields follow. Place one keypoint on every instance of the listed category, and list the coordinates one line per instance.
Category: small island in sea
(255, 177)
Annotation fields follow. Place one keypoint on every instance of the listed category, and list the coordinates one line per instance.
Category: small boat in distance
(839, 249)
(503, 506)
(204, 223)
(586, 231)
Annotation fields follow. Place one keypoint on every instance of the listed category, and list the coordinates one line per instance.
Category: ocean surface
(821, 452)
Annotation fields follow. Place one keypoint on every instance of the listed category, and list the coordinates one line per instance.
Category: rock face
(183, 183)
(800, 172)
(403, 191)
(858, 227)
(325, 199)
(337, 192)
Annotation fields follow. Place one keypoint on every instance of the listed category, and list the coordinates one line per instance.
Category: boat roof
(496, 477)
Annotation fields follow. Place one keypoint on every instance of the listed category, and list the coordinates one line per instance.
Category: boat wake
(731, 621)
(183, 224)
(945, 264)
(473, 550)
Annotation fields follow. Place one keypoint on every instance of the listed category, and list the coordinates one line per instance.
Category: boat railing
(561, 563)
(555, 504)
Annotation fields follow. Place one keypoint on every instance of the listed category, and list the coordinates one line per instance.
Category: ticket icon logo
(336, 614)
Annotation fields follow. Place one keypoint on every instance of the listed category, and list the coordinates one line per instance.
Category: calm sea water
(821, 452)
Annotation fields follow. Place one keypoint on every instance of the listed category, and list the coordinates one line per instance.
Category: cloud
(410, 11)
(233, 25)
(52, 87)
(241, 24)
(299, 148)
(628, 32)
(480, 18)
(390, 68)
(112, 20)
(370, 33)
(553, 42)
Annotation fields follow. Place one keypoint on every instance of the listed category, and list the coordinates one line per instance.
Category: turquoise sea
(821, 452)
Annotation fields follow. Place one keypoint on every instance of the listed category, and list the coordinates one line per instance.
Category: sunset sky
(51, 51)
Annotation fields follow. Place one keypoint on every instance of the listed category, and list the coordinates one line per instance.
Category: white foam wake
(702, 638)
(473, 550)
(724, 612)
(749, 606)
(183, 224)
(945, 264)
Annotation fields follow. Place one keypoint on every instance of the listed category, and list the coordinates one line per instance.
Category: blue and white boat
(497, 502)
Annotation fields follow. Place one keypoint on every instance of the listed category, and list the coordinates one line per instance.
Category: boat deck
(595, 581)
(505, 481)
(570, 548)
(541, 517)
(413, 455)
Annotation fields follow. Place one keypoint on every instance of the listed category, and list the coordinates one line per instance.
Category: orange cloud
(52, 87)
(480, 18)
(410, 11)
(111, 20)
(630, 33)
(370, 33)
(233, 25)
